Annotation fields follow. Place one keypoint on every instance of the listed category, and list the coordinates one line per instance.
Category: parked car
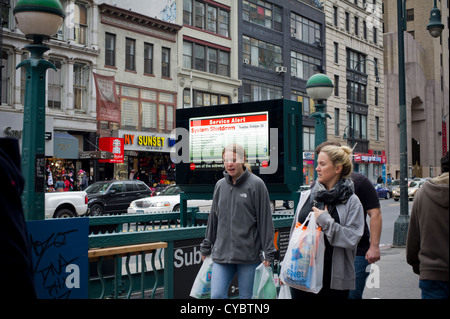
(114, 197)
(394, 184)
(65, 204)
(413, 186)
(382, 191)
(167, 201)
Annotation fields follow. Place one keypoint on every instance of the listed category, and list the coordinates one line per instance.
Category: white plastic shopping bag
(263, 284)
(201, 289)
(285, 292)
(302, 266)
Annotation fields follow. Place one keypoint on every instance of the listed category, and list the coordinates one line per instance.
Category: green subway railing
(126, 230)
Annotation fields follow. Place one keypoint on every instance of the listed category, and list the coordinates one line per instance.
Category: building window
(262, 13)
(375, 35)
(377, 128)
(224, 63)
(356, 26)
(336, 85)
(335, 16)
(148, 58)
(149, 116)
(55, 85)
(187, 12)
(80, 23)
(5, 78)
(364, 30)
(199, 14)
(201, 98)
(224, 23)
(261, 54)
(130, 55)
(308, 138)
(347, 22)
(302, 66)
(376, 96)
(146, 110)
(356, 61)
(110, 49)
(307, 103)
(357, 89)
(304, 29)
(80, 86)
(165, 62)
(257, 91)
(360, 125)
(336, 52)
(187, 55)
(206, 59)
(206, 17)
(410, 14)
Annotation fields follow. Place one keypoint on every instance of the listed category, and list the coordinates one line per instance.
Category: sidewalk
(396, 278)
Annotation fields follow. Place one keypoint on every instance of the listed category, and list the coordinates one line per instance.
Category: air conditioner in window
(281, 69)
(246, 61)
(294, 35)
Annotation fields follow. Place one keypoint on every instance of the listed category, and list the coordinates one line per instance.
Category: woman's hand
(204, 257)
(266, 263)
(318, 212)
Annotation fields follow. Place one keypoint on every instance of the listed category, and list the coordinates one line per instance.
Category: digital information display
(209, 135)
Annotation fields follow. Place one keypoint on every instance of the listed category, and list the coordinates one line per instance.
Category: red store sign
(114, 145)
(368, 158)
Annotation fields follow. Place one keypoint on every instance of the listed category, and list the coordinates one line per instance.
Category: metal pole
(33, 140)
(402, 222)
(320, 135)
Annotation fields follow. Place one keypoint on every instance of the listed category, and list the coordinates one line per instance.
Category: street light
(38, 20)
(319, 87)
(435, 25)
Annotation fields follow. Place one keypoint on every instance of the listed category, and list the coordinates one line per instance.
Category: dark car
(382, 191)
(114, 197)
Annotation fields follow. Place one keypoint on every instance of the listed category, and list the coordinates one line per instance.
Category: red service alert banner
(113, 145)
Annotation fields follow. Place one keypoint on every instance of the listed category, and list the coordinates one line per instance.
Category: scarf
(339, 194)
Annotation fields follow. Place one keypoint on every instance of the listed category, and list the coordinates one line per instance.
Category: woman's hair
(340, 155)
(239, 151)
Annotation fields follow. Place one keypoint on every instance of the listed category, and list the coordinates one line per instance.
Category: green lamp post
(38, 20)
(319, 87)
(435, 25)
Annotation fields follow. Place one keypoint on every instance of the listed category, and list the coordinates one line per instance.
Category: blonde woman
(340, 215)
(240, 231)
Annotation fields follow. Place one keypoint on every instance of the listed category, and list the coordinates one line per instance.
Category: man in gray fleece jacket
(240, 227)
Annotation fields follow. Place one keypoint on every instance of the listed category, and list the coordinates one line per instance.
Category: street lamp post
(435, 29)
(38, 20)
(319, 87)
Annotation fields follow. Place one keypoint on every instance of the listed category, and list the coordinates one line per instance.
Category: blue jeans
(361, 275)
(222, 275)
(434, 289)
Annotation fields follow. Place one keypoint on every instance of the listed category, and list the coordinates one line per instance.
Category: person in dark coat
(16, 264)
